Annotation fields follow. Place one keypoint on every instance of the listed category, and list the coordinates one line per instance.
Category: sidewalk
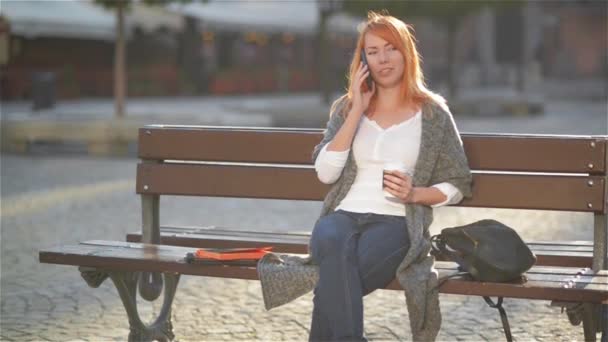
(254, 110)
(91, 121)
(272, 108)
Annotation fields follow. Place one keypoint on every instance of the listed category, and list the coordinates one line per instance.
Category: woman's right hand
(361, 99)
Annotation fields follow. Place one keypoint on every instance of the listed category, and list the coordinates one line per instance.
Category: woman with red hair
(374, 223)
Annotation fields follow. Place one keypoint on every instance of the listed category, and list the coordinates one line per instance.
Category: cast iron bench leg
(591, 323)
(589, 314)
(126, 284)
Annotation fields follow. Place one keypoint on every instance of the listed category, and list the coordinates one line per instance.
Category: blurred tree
(326, 9)
(120, 76)
(447, 13)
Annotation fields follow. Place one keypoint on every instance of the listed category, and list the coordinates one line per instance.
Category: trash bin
(43, 90)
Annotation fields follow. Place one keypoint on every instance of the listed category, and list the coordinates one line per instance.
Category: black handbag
(488, 251)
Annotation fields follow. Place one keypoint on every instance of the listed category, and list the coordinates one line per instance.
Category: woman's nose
(382, 57)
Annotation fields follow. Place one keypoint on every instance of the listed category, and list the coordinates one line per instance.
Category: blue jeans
(357, 254)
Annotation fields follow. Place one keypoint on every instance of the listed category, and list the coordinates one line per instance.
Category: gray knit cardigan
(441, 159)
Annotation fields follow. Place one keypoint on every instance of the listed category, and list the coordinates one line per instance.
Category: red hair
(400, 35)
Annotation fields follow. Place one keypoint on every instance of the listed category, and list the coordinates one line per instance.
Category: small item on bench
(285, 277)
(489, 251)
(231, 256)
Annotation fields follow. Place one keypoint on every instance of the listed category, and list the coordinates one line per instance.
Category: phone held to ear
(368, 80)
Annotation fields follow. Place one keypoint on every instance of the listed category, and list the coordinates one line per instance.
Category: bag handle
(438, 245)
(503, 316)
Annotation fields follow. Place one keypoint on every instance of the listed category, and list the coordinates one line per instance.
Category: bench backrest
(519, 171)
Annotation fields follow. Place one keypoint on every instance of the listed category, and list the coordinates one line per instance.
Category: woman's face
(386, 63)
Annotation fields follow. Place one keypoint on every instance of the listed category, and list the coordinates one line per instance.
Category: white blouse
(374, 146)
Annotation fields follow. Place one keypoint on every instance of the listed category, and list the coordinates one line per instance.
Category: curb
(497, 108)
(116, 137)
(102, 138)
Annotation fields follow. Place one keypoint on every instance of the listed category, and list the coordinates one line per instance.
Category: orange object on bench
(232, 253)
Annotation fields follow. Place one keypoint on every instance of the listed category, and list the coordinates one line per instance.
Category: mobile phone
(368, 80)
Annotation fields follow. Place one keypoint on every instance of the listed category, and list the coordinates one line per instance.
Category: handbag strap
(503, 316)
(439, 246)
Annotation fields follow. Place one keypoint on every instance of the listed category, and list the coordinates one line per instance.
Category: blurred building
(258, 46)
(232, 47)
(575, 40)
(539, 40)
(219, 47)
(74, 41)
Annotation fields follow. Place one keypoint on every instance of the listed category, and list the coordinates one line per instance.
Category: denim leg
(383, 244)
(320, 329)
(338, 298)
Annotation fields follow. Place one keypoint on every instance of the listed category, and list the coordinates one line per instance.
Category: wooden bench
(548, 253)
(567, 173)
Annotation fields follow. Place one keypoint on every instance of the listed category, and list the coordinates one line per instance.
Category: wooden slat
(562, 249)
(297, 245)
(111, 255)
(449, 267)
(537, 192)
(506, 152)
(264, 145)
(284, 233)
(564, 260)
(230, 181)
(564, 243)
(591, 282)
(551, 278)
(290, 243)
(114, 255)
(529, 290)
(289, 233)
(502, 152)
(543, 192)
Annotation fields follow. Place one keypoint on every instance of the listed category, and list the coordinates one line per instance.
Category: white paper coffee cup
(392, 166)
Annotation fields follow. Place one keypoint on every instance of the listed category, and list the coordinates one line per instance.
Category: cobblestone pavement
(53, 200)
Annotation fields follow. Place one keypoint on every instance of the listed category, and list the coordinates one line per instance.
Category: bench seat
(544, 282)
(548, 253)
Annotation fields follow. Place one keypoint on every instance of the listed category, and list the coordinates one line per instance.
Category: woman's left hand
(399, 185)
